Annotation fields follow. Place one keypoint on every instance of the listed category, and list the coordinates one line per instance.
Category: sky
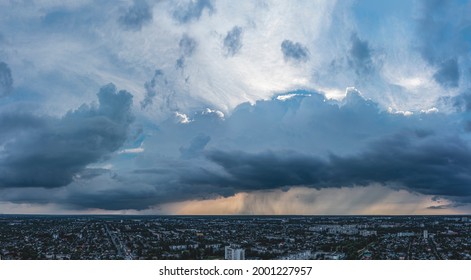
(235, 107)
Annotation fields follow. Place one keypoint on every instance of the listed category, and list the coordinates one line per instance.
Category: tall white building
(425, 234)
(234, 253)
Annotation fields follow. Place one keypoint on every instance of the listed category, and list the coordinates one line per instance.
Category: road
(121, 250)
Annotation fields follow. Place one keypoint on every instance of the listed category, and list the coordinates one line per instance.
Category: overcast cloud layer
(154, 105)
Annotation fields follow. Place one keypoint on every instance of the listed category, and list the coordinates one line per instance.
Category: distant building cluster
(235, 237)
(234, 252)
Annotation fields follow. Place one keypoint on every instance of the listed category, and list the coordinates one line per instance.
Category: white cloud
(132, 151)
(217, 113)
(182, 118)
(103, 52)
(284, 97)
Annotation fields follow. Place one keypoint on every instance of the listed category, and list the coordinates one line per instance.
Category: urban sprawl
(235, 237)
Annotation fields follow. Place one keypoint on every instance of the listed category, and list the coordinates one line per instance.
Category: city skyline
(206, 107)
(104, 237)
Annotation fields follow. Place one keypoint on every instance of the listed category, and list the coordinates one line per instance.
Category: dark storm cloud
(426, 165)
(305, 140)
(196, 146)
(294, 51)
(48, 152)
(401, 152)
(13, 124)
(136, 16)
(233, 41)
(171, 181)
(421, 164)
(89, 173)
(268, 170)
(6, 80)
(448, 75)
(360, 55)
(192, 10)
(14, 121)
(113, 199)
